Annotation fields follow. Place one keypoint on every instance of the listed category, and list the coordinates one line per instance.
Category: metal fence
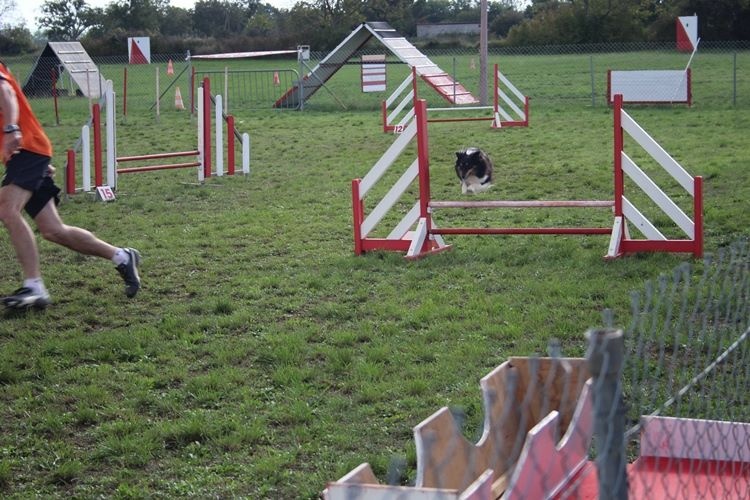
(657, 409)
(551, 75)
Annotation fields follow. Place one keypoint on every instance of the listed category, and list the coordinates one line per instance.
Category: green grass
(262, 358)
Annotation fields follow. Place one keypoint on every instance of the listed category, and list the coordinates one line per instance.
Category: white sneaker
(26, 298)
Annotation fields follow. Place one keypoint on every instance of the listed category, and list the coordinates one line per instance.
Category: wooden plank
(396, 93)
(511, 104)
(390, 198)
(445, 458)
(406, 223)
(655, 193)
(385, 161)
(511, 87)
(362, 474)
(516, 396)
(407, 100)
(695, 439)
(658, 153)
(551, 384)
(481, 489)
(523, 204)
(502, 439)
(635, 217)
(343, 491)
(499, 486)
(420, 236)
(560, 461)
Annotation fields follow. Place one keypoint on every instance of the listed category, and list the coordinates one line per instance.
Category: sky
(29, 10)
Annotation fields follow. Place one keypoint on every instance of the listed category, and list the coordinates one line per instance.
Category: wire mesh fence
(573, 75)
(658, 409)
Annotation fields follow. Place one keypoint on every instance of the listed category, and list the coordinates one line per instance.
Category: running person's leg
(24, 173)
(53, 229)
(12, 201)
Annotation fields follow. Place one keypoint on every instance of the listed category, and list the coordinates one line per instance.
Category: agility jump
(418, 235)
(201, 156)
(509, 109)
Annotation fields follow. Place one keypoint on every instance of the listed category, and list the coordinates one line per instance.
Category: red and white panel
(139, 50)
(687, 33)
(373, 73)
(650, 86)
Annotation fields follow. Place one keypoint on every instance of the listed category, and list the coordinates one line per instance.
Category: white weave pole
(226, 89)
(246, 153)
(201, 146)
(111, 139)
(86, 158)
(157, 94)
(219, 117)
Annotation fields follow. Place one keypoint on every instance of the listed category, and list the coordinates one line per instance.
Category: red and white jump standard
(418, 235)
(509, 109)
(201, 156)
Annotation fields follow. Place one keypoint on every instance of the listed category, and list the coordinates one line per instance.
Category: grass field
(262, 358)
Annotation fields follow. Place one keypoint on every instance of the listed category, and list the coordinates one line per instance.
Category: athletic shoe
(129, 272)
(26, 298)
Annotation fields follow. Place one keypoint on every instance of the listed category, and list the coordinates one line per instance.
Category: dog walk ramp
(442, 82)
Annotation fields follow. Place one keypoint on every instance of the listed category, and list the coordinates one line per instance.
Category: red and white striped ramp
(442, 82)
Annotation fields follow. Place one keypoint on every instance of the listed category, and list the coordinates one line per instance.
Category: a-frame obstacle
(442, 82)
(418, 235)
(59, 57)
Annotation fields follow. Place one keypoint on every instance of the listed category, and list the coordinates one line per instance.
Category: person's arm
(9, 108)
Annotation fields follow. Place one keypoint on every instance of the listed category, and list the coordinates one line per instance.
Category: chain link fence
(658, 409)
(551, 75)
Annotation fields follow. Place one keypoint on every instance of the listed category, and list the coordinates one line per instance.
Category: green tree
(658, 18)
(261, 24)
(431, 11)
(220, 19)
(65, 19)
(502, 17)
(719, 19)
(322, 24)
(398, 13)
(176, 21)
(579, 21)
(133, 16)
(15, 40)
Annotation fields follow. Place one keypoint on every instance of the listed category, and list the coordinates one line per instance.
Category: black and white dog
(474, 169)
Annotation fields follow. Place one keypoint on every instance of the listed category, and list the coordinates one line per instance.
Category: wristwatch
(9, 129)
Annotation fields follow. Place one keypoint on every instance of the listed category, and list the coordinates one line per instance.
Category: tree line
(239, 25)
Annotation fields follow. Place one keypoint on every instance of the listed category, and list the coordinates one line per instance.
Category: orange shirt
(33, 137)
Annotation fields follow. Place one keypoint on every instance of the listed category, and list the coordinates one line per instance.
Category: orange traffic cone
(170, 68)
(178, 104)
(276, 78)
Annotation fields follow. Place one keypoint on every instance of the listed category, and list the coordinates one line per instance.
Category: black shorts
(30, 171)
